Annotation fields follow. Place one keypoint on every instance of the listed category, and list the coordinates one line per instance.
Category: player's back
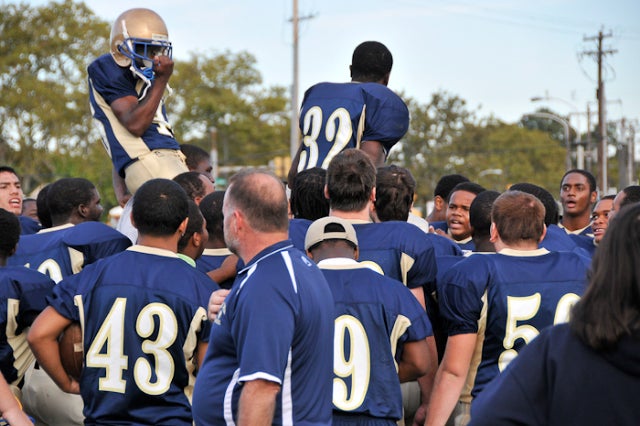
(144, 312)
(337, 116)
(375, 316)
(64, 250)
(399, 251)
(23, 295)
(521, 295)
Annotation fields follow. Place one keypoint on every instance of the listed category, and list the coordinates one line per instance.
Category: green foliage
(445, 137)
(44, 106)
(223, 91)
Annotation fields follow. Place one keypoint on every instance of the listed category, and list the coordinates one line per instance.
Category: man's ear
(493, 233)
(326, 192)
(594, 197)
(438, 203)
(544, 233)
(182, 228)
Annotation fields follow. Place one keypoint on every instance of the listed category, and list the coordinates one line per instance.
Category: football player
(126, 92)
(458, 225)
(399, 250)
(144, 321)
(494, 304)
(362, 114)
(22, 298)
(380, 330)
(76, 239)
(11, 199)
(578, 193)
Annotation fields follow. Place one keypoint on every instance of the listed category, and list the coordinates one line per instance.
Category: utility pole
(294, 140)
(602, 117)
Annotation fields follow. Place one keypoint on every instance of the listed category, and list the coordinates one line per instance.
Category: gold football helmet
(137, 36)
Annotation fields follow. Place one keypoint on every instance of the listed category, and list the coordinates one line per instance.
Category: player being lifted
(362, 114)
(126, 93)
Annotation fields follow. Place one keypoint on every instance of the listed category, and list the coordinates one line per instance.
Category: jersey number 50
(107, 348)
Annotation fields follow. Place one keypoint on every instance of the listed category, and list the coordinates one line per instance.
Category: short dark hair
(395, 187)
(191, 183)
(42, 207)
(195, 224)
(471, 187)
(608, 310)
(518, 217)
(211, 208)
(590, 178)
(480, 212)
(264, 204)
(7, 169)
(307, 198)
(551, 213)
(631, 195)
(159, 207)
(9, 232)
(371, 62)
(66, 194)
(351, 177)
(446, 183)
(193, 155)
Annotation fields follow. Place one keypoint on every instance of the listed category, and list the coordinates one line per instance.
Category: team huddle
(327, 302)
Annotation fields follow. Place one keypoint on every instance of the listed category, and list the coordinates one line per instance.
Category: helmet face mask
(142, 51)
(137, 36)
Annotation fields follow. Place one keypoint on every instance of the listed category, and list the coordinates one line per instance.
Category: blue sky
(494, 54)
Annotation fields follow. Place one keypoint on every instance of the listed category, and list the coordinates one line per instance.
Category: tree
(445, 137)
(44, 105)
(223, 91)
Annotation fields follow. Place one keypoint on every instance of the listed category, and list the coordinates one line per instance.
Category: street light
(565, 125)
(580, 148)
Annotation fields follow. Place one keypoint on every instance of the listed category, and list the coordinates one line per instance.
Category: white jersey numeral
(338, 131)
(523, 309)
(351, 363)
(107, 348)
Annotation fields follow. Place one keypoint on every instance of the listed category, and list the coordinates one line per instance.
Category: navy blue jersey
(108, 82)
(374, 317)
(444, 246)
(143, 312)
(212, 259)
(508, 297)
(395, 249)
(337, 116)
(23, 295)
(557, 380)
(276, 324)
(28, 225)
(64, 250)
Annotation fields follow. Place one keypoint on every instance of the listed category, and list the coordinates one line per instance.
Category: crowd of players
(331, 305)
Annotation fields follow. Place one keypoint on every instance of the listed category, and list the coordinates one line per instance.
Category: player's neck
(253, 244)
(573, 223)
(163, 242)
(352, 215)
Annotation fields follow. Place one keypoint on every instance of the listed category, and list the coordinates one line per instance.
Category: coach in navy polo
(270, 361)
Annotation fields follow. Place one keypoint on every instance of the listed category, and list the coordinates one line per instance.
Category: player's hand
(215, 303)
(72, 387)
(421, 415)
(162, 67)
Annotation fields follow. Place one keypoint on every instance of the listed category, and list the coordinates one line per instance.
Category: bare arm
(450, 378)
(257, 403)
(293, 171)
(425, 382)
(136, 116)
(418, 293)
(9, 407)
(375, 151)
(43, 340)
(120, 188)
(414, 362)
(226, 271)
